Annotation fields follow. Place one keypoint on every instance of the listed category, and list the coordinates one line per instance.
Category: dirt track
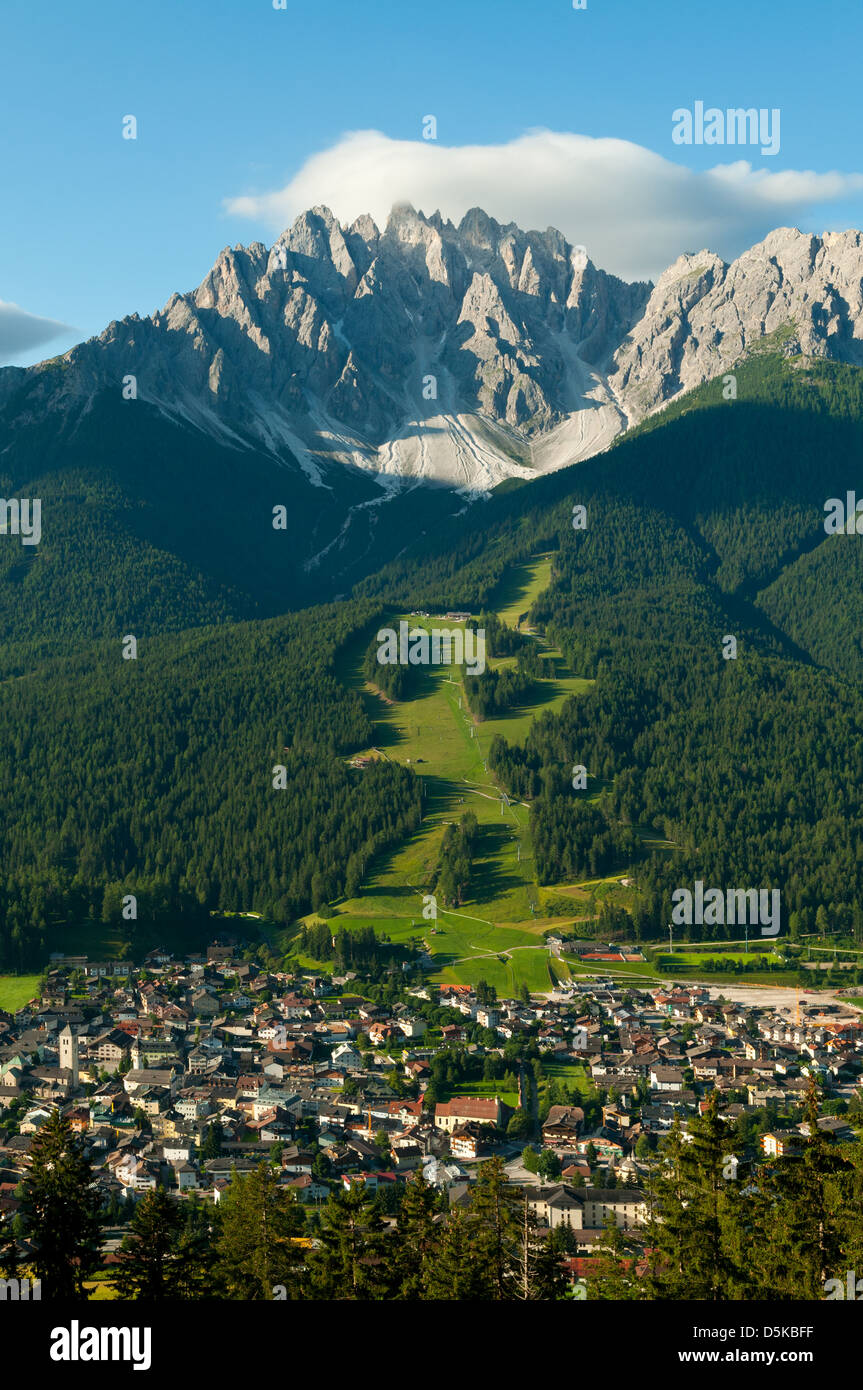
(776, 996)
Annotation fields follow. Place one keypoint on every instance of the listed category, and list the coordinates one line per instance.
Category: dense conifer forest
(211, 771)
(458, 846)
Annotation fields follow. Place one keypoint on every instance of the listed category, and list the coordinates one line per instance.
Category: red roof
(469, 1108)
(412, 1107)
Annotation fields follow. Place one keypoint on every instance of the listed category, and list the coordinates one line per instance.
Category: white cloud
(634, 210)
(20, 332)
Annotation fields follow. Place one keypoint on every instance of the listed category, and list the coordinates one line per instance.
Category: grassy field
(638, 971)
(519, 589)
(659, 966)
(695, 963)
(483, 1088)
(571, 1074)
(17, 990)
(465, 947)
(495, 935)
(690, 958)
(584, 899)
(550, 695)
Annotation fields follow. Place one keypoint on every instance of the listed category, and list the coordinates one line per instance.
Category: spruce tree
(613, 1277)
(60, 1211)
(350, 1260)
(195, 1275)
(255, 1249)
(416, 1240)
(538, 1272)
(494, 1210)
(148, 1267)
(808, 1217)
(455, 1273)
(696, 1211)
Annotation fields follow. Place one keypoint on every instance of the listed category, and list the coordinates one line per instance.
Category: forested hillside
(750, 766)
(819, 598)
(155, 776)
(151, 526)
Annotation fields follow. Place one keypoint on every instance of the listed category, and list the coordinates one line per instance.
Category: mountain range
(460, 354)
(345, 367)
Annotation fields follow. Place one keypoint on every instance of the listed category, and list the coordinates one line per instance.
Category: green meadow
(520, 588)
(17, 990)
(571, 1074)
(498, 934)
(483, 1089)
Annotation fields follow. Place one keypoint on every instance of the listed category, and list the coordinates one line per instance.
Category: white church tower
(69, 1052)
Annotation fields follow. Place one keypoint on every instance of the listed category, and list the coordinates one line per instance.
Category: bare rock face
(804, 292)
(449, 352)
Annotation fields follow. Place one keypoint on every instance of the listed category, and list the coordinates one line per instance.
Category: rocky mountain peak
(466, 353)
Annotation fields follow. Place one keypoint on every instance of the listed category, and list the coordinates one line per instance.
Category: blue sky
(232, 99)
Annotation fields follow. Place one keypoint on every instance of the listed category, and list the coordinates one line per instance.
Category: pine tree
(808, 1217)
(696, 1214)
(195, 1273)
(350, 1259)
(60, 1211)
(613, 1278)
(538, 1273)
(455, 1273)
(494, 1210)
(255, 1249)
(211, 1142)
(414, 1246)
(148, 1256)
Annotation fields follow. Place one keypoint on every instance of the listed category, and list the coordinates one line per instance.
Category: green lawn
(17, 990)
(682, 964)
(483, 1088)
(639, 970)
(465, 948)
(571, 1074)
(559, 969)
(496, 935)
(695, 963)
(549, 696)
(520, 966)
(687, 959)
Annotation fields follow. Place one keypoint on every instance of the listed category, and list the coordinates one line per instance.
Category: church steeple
(69, 1052)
